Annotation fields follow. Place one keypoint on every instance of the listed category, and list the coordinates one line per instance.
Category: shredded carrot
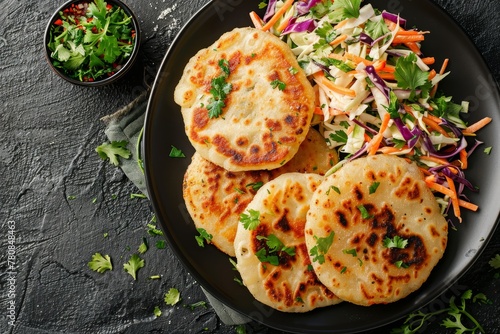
(434, 118)
(358, 59)
(468, 205)
(402, 31)
(434, 126)
(320, 77)
(441, 71)
(367, 137)
(473, 128)
(439, 188)
(424, 171)
(429, 61)
(454, 199)
(318, 111)
(398, 39)
(338, 40)
(413, 46)
(279, 13)
(386, 76)
(256, 20)
(389, 68)
(340, 24)
(379, 65)
(283, 25)
(432, 74)
(377, 139)
(463, 159)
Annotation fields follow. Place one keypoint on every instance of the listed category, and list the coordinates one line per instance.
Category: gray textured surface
(49, 130)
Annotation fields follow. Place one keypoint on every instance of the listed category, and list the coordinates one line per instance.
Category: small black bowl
(123, 68)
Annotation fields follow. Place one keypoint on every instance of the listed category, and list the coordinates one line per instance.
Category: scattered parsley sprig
(415, 321)
(219, 90)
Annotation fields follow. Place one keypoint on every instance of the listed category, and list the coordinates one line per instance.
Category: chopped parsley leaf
(322, 245)
(373, 187)
(176, 153)
(219, 90)
(255, 185)
(113, 151)
(203, 237)
(133, 265)
(278, 84)
(364, 213)
(100, 263)
(396, 242)
(172, 297)
(157, 311)
(251, 220)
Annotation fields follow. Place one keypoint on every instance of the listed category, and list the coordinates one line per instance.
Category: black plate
(470, 79)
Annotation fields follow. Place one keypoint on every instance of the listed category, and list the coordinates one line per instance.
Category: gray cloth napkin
(127, 124)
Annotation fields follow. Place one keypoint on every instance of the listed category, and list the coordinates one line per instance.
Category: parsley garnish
(334, 188)
(278, 83)
(197, 304)
(172, 297)
(364, 213)
(255, 185)
(401, 264)
(251, 220)
(396, 242)
(203, 237)
(351, 251)
(373, 187)
(157, 311)
(339, 136)
(416, 321)
(293, 70)
(133, 265)
(143, 247)
(113, 151)
(220, 89)
(408, 74)
(322, 245)
(350, 8)
(275, 248)
(153, 230)
(100, 263)
(176, 153)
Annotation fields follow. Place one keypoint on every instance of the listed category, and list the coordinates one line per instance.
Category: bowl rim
(108, 80)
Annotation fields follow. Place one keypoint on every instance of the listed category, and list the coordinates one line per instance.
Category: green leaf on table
(172, 297)
(113, 151)
(133, 265)
(100, 263)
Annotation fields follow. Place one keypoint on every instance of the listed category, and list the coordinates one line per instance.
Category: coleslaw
(377, 92)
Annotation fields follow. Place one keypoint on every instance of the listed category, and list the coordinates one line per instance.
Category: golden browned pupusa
(267, 111)
(369, 205)
(215, 197)
(289, 285)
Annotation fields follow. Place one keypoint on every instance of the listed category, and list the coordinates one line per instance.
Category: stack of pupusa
(264, 137)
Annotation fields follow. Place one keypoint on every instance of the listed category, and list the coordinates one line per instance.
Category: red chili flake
(108, 6)
(58, 22)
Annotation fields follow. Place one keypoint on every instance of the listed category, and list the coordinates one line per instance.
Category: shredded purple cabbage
(304, 7)
(442, 154)
(394, 18)
(293, 26)
(271, 9)
(377, 81)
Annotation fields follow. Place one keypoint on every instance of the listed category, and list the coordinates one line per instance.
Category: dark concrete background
(49, 131)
